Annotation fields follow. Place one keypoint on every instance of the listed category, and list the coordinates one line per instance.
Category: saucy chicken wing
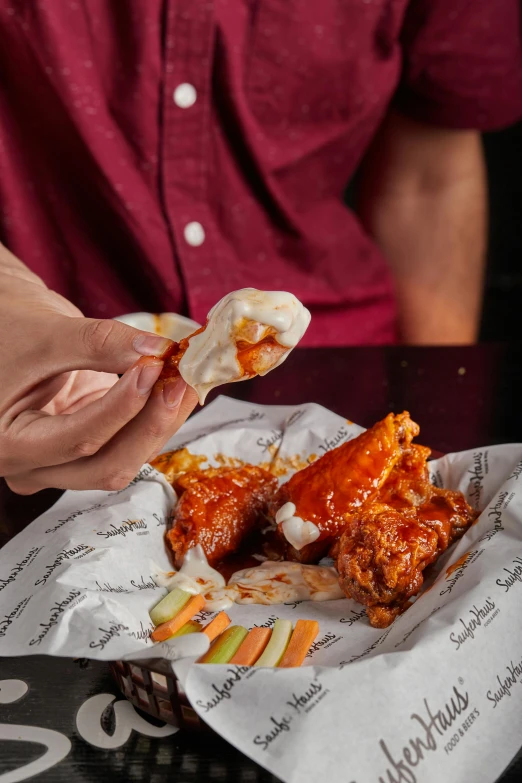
(218, 508)
(247, 333)
(316, 502)
(409, 482)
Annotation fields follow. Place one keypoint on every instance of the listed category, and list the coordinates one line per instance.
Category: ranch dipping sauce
(272, 582)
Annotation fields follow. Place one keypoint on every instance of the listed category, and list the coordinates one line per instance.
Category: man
(156, 154)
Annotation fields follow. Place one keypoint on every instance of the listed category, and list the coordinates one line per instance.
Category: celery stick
(191, 627)
(169, 606)
(225, 646)
(277, 645)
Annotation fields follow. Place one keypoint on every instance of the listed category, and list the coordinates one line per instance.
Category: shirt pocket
(319, 62)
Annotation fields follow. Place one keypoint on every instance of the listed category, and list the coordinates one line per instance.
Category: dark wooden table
(461, 397)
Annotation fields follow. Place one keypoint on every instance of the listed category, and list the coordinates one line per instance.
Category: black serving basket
(152, 686)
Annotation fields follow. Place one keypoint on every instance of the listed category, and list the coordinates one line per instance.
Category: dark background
(501, 317)
(503, 290)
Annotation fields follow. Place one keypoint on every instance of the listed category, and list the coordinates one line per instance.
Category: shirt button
(185, 95)
(194, 234)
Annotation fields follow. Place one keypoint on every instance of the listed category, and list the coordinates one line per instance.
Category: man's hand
(66, 421)
(423, 199)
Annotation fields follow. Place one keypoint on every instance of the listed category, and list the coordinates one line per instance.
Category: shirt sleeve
(462, 63)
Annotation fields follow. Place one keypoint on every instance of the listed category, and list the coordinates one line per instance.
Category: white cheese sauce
(272, 582)
(194, 576)
(247, 315)
(297, 532)
(275, 582)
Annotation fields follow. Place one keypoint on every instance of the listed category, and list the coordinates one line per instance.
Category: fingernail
(148, 376)
(151, 345)
(173, 391)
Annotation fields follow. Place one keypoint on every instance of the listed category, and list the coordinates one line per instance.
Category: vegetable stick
(191, 627)
(304, 634)
(217, 625)
(168, 629)
(277, 645)
(252, 647)
(169, 606)
(225, 646)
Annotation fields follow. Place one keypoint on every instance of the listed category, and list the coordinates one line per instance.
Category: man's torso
(156, 155)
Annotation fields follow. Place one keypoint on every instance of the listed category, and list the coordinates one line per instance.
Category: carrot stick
(304, 633)
(217, 625)
(252, 647)
(168, 629)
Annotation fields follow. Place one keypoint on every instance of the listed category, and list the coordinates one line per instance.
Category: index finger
(98, 344)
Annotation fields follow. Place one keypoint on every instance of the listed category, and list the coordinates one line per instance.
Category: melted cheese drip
(297, 532)
(211, 357)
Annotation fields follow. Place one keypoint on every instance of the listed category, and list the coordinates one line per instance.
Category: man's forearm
(423, 198)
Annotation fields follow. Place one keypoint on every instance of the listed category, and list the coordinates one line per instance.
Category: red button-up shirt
(157, 154)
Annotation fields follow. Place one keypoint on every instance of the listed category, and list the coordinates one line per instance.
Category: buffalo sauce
(261, 545)
(172, 356)
(252, 356)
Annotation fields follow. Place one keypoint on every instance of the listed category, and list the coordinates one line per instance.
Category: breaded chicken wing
(385, 548)
(446, 512)
(327, 492)
(382, 554)
(218, 508)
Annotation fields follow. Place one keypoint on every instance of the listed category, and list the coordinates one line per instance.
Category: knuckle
(96, 335)
(84, 448)
(155, 433)
(113, 482)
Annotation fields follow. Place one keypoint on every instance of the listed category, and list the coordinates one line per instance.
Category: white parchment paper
(437, 696)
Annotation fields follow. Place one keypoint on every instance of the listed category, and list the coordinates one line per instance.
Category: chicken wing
(409, 486)
(409, 482)
(382, 554)
(218, 508)
(385, 548)
(327, 492)
(446, 512)
(247, 333)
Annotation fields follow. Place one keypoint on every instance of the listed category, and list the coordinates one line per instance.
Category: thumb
(102, 345)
